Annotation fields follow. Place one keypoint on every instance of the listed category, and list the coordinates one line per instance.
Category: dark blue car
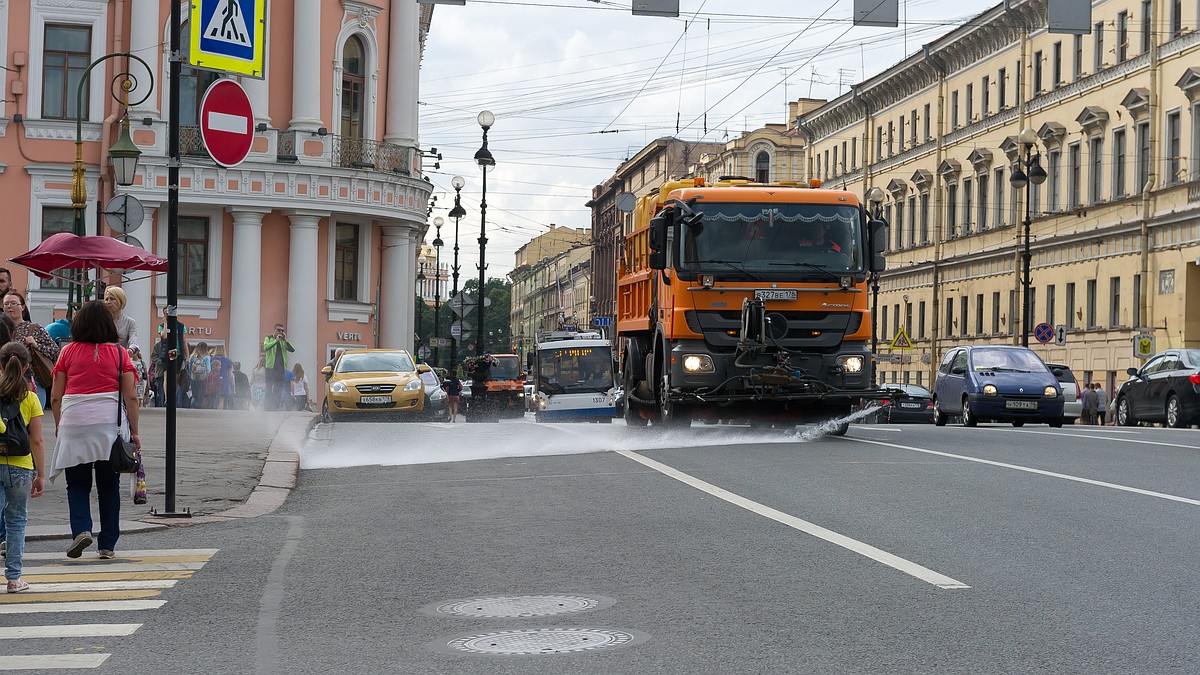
(999, 383)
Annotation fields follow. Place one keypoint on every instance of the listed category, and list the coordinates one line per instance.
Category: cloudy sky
(579, 86)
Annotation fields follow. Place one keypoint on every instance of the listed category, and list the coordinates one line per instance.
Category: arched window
(762, 168)
(353, 86)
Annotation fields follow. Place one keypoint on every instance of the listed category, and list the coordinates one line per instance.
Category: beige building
(771, 154)
(1115, 234)
(551, 284)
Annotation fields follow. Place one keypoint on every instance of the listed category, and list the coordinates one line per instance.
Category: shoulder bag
(43, 368)
(124, 456)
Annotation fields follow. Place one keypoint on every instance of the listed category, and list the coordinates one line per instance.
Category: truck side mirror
(877, 233)
(658, 240)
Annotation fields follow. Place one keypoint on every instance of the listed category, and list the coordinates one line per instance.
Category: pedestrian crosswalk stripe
(70, 631)
(108, 566)
(34, 595)
(83, 606)
(200, 553)
(47, 661)
(132, 585)
(143, 559)
(109, 576)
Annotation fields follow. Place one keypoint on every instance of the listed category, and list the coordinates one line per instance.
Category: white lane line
(106, 566)
(1092, 437)
(133, 585)
(162, 553)
(896, 562)
(1040, 472)
(52, 661)
(69, 631)
(84, 606)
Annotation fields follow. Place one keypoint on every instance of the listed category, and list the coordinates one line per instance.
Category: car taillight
(884, 402)
(1195, 378)
(1078, 393)
(929, 406)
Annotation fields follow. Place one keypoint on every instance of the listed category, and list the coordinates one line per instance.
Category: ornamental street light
(437, 286)
(483, 157)
(456, 213)
(1033, 174)
(420, 306)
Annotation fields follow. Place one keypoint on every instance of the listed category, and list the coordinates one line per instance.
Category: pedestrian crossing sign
(228, 36)
(901, 340)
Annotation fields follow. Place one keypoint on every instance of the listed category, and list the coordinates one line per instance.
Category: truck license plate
(376, 399)
(1021, 405)
(775, 294)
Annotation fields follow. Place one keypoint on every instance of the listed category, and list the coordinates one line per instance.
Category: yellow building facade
(1113, 232)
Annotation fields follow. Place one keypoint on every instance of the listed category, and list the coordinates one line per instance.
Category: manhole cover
(517, 606)
(541, 641)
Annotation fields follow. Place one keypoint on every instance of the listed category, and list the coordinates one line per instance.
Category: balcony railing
(369, 155)
(191, 144)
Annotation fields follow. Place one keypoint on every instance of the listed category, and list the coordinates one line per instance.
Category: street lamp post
(420, 307)
(456, 213)
(1033, 174)
(875, 199)
(437, 288)
(483, 157)
(123, 154)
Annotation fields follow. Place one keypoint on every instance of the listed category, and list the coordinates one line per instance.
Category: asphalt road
(719, 550)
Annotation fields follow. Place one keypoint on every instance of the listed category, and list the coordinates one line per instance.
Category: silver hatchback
(1072, 398)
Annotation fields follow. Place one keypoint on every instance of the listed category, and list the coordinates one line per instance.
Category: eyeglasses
(12, 303)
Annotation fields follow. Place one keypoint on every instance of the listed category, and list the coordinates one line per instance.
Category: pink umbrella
(66, 251)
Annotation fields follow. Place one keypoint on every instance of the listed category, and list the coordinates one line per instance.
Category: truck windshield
(506, 368)
(575, 370)
(792, 239)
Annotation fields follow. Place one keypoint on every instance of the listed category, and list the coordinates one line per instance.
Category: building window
(353, 88)
(1050, 304)
(928, 124)
(1147, 23)
(68, 50)
(949, 316)
(1196, 141)
(952, 210)
(896, 316)
(878, 143)
(1053, 179)
(912, 221)
(954, 109)
(998, 218)
(925, 218)
(1099, 56)
(1074, 171)
(854, 153)
(901, 134)
(1097, 170)
(985, 99)
(762, 168)
(891, 148)
(1057, 65)
(883, 321)
(1176, 18)
(982, 182)
(912, 127)
(1122, 37)
(1091, 303)
(1114, 302)
(921, 321)
(1012, 312)
(193, 256)
(845, 159)
(908, 319)
(837, 168)
(1137, 301)
(967, 196)
(996, 313)
(1118, 164)
(56, 220)
(979, 314)
(1174, 164)
(1143, 159)
(962, 314)
(345, 262)
(1037, 72)
(1032, 307)
(1002, 88)
(899, 225)
(970, 103)
(1071, 306)
(1035, 200)
(1077, 67)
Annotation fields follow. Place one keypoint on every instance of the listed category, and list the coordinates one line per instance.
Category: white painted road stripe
(908, 567)
(69, 631)
(71, 586)
(76, 568)
(84, 606)
(1041, 472)
(234, 124)
(1092, 437)
(146, 553)
(52, 661)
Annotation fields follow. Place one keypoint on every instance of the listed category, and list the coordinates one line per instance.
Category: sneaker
(82, 541)
(17, 586)
(106, 554)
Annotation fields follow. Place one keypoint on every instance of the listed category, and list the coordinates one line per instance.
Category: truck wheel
(670, 414)
(632, 412)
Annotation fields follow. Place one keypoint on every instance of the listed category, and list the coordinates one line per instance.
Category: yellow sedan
(365, 381)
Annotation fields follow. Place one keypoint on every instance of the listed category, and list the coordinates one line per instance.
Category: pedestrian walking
(139, 369)
(1101, 404)
(299, 387)
(258, 385)
(454, 387)
(1090, 403)
(199, 365)
(275, 349)
(39, 342)
(115, 300)
(91, 380)
(24, 460)
(241, 387)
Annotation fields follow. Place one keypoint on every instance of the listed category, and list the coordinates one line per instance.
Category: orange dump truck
(742, 300)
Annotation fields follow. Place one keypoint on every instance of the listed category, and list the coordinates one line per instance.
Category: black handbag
(124, 457)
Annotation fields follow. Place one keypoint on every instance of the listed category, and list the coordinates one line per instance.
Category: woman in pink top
(91, 379)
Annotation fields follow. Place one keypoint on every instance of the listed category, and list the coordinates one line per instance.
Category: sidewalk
(228, 464)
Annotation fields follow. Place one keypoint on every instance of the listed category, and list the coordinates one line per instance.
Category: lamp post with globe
(1033, 174)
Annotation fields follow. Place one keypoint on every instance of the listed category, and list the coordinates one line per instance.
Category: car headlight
(339, 388)
(1051, 392)
(989, 390)
(413, 385)
(850, 364)
(438, 395)
(698, 363)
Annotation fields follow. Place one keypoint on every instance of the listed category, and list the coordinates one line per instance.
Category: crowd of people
(1095, 404)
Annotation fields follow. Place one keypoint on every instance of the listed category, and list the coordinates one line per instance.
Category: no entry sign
(227, 122)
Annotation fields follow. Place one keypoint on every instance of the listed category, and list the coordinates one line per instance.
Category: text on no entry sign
(227, 122)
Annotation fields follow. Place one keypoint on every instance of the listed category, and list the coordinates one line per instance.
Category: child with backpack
(22, 456)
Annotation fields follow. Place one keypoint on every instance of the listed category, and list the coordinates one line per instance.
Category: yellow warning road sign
(901, 341)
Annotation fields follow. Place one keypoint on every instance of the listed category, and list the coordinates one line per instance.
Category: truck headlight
(698, 363)
(851, 364)
(339, 388)
(989, 390)
(1051, 392)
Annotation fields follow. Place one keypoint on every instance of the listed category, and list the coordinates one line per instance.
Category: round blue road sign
(1043, 332)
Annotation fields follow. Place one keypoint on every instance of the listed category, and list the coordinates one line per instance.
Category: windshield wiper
(1002, 369)
(812, 266)
(731, 264)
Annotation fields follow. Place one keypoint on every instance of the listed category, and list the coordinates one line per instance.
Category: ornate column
(245, 302)
(303, 295)
(306, 67)
(397, 285)
(145, 35)
(139, 294)
(404, 58)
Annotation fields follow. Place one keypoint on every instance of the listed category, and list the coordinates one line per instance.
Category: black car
(436, 399)
(912, 403)
(1165, 389)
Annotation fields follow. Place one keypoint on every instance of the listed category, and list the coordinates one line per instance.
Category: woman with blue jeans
(91, 379)
(20, 468)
